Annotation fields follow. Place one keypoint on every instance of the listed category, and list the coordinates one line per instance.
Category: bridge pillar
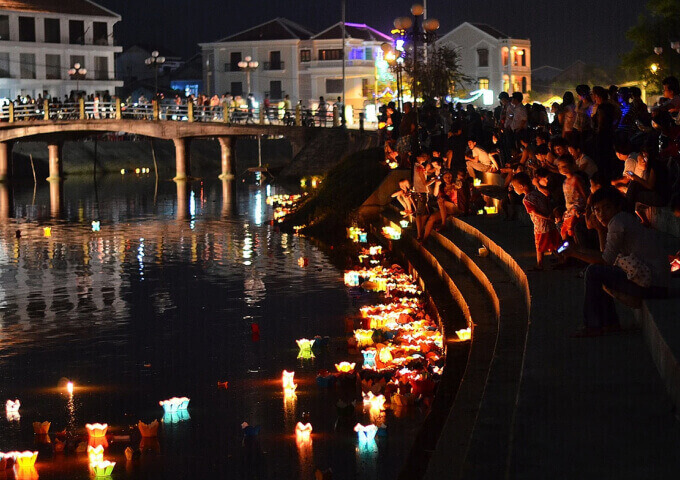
(182, 159)
(5, 202)
(54, 151)
(5, 158)
(227, 149)
(183, 194)
(227, 197)
(56, 189)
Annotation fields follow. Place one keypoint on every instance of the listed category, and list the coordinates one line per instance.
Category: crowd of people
(586, 174)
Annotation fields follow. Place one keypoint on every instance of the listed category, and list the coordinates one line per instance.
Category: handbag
(636, 270)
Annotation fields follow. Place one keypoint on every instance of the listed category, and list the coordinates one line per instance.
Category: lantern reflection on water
(95, 454)
(174, 404)
(345, 367)
(176, 417)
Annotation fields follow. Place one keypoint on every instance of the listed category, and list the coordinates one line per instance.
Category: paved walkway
(588, 408)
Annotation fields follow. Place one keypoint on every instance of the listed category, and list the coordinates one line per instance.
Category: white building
(492, 59)
(40, 40)
(294, 61)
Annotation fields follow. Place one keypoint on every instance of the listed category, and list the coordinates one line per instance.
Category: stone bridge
(54, 133)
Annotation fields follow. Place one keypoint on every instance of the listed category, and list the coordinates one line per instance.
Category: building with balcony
(297, 62)
(491, 58)
(40, 40)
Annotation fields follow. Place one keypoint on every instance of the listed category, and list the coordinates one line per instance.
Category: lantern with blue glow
(174, 404)
(369, 358)
(365, 433)
(176, 417)
(96, 225)
(403, 223)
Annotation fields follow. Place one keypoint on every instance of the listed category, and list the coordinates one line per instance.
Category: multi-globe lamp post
(658, 50)
(77, 71)
(154, 61)
(395, 60)
(418, 31)
(248, 65)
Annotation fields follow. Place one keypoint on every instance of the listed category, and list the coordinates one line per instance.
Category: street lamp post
(396, 62)
(416, 31)
(154, 61)
(77, 71)
(248, 65)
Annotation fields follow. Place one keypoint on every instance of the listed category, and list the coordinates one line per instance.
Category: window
(369, 53)
(52, 30)
(505, 56)
(330, 54)
(27, 63)
(53, 67)
(524, 84)
(524, 57)
(484, 83)
(275, 92)
(77, 59)
(506, 84)
(4, 65)
(26, 29)
(275, 61)
(305, 55)
(482, 57)
(334, 85)
(101, 68)
(76, 32)
(100, 33)
(237, 89)
(234, 58)
(4, 27)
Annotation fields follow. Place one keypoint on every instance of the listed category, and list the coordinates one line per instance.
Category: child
(403, 195)
(538, 207)
(575, 196)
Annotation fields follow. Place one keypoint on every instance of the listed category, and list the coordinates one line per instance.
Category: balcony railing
(274, 66)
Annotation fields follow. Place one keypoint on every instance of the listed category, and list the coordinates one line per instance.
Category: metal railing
(184, 112)
(274, 66)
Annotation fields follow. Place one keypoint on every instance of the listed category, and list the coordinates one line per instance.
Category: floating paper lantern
(96, 225)
(345, 367)
(303, 261)
(103, 468)
(477, 182)
(392, 233)
(288, 380)
(24, 459)
(366, 433)
(483, 251)
(464, 334)
(223, 385)
(374, 402)
(95, 454)
(303, 431)
(12, 406)
(403, 223)
(174, 404)
(69, 388)
(176, 417)
(148, 430)
(96, 430)
(385, 355)
(47, 231)
(41, 428)
(369, 358)
(364, 337)
(305, 354)
(491, 210)
(305, 344)
(363, 237)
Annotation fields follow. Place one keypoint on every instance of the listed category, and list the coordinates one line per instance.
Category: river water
(158, 303)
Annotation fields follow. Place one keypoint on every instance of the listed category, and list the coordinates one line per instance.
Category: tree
(657, 28)
(438, 77)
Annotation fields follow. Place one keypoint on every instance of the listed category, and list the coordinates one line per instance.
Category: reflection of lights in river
(258, 208)
(140, 257)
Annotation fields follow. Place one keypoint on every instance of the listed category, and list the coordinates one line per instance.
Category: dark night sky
(561, 32)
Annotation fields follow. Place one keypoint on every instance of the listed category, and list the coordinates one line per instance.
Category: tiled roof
(276, 29)
(70, 7)
(353, 30)
(490, 30)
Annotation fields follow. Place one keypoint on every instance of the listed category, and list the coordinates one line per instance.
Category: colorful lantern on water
(96, 430)
(96, 225)
(288, 380)
(41, 428)
(47, 232)
(12, 406)
(305, 343)
(464, 334)
(303, 432)
(345, 367)
(365, 433)
(176, 417)
(174, 404)
(369, 358)
(69, 388)
(374, 402)
(103, 468)
(148, 430)
(95, 454)
(364, 337)
(24, 459)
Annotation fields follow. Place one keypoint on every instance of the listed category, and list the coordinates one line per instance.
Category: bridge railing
(188, 112)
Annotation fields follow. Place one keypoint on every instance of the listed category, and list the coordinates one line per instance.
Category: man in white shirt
(478, 160)
(519, 118)
(626, 237)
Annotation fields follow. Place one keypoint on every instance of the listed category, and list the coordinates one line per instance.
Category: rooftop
(490, 30)
(359, 31)
(277, 29)
(69, 7)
